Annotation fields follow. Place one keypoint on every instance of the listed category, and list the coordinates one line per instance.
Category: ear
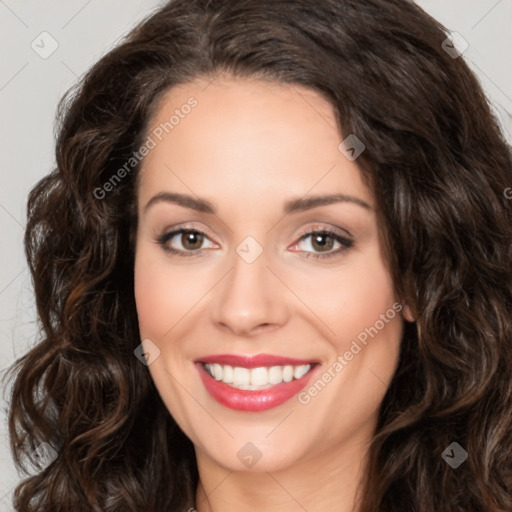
(407, 313)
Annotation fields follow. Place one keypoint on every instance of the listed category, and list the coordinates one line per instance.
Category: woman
(273, 271)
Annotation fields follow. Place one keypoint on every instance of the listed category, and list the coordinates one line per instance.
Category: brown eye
(322, 242)
(183, 242)
(191, 240)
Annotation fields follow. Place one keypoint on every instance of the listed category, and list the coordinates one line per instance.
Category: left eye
(322, 243)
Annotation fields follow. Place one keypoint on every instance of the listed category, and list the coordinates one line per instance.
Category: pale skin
(248, 147)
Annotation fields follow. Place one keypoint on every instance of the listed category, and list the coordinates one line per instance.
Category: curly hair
(438, 166)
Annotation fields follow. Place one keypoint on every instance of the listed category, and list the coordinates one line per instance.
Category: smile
(256, 378)
(253, 383)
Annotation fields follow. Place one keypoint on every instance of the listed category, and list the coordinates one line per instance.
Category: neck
(327, 481)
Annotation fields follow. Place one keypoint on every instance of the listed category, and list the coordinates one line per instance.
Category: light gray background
(31, 86)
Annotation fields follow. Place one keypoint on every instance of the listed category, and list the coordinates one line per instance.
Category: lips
(253, 361)
(254, 383)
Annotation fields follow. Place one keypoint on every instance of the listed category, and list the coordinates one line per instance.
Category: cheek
(158, 297)
(149, 298)
(354, 300)
(155, 294)
(163, 294)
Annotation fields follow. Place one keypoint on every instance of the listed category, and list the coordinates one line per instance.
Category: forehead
(248, 137)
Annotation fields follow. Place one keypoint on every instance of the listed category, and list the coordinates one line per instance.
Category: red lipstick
(253, 361)
(253, 400)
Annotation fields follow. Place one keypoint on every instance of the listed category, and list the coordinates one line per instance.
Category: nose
(250, 299)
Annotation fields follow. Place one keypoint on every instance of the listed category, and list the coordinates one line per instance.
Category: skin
(247, 147)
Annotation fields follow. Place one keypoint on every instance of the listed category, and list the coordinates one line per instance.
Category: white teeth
(259, 376)
(275, 375)
(256, 378)
(217, 371)
(300, 371)
(241, 376)
(227, 376)
(288, 373)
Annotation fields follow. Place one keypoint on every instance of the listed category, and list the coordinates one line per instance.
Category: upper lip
(255, 361)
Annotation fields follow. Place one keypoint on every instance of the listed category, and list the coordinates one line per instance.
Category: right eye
(189, 242)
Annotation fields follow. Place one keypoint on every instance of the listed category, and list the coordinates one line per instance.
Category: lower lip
(252, 401)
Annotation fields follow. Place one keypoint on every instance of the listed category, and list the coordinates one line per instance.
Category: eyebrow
(299, 205)
(291, 206)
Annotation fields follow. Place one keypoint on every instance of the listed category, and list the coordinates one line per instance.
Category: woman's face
(301, 331)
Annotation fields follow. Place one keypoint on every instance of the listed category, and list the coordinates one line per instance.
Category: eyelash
(345, 242)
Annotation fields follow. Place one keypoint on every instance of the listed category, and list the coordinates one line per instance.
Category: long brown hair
(438, 166)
